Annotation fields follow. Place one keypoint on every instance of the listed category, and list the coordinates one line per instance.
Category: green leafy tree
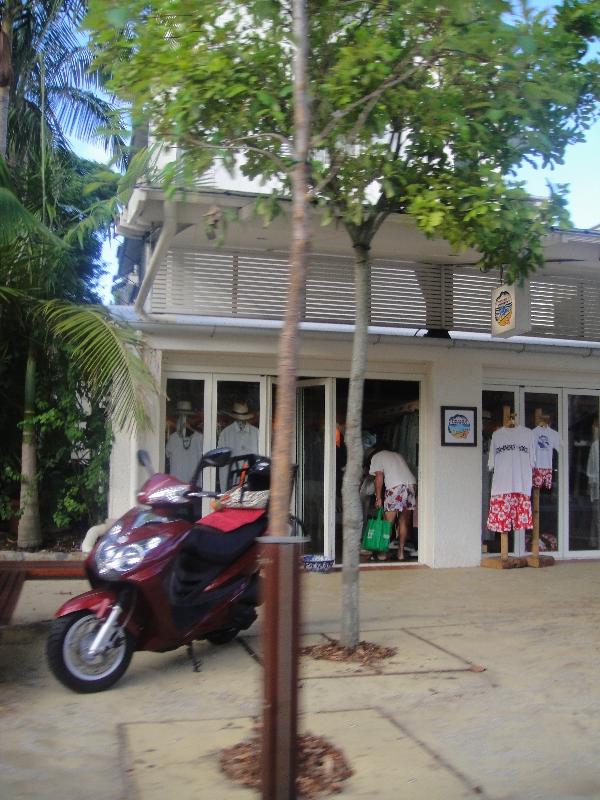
(421, 108)
(75, 363)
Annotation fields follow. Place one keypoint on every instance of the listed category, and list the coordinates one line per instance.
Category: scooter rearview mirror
(219, 457)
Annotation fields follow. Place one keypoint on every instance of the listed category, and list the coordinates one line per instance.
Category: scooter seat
(205, 543)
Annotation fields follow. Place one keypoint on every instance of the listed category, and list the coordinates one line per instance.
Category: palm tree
(48, 93)
(46, 74)
(40, 278)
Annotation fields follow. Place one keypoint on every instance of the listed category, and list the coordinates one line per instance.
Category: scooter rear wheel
(68, 642)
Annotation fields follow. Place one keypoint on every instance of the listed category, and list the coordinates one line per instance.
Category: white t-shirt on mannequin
(545, 440)
(184, 453)
(512, 457)
(242, 438)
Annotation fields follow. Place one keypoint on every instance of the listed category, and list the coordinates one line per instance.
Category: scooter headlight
(114, 557)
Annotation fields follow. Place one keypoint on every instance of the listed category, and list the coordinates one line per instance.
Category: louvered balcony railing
(237, 284)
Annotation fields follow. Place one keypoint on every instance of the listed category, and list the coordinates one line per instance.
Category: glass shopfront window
(237, 419)
(184, 427)
(542, 416)
(584, 473)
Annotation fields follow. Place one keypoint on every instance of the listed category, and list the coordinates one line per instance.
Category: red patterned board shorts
(542, 477)
(509, 512)
(400, 497)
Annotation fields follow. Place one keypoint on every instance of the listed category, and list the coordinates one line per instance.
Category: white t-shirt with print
(512, 457)
(545, 440)
(394, 467)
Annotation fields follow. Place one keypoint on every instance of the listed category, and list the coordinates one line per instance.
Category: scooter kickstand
(196, 662)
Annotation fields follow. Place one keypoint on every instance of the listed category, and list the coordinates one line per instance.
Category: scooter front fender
(96, 600)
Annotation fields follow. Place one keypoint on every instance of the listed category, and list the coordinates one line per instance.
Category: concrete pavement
(426, 725)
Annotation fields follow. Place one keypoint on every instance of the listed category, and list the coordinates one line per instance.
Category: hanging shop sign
(511, 310)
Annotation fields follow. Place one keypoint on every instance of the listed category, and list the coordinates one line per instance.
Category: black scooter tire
(222, 637)
(77, 674)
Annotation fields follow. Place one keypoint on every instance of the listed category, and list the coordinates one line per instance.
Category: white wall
(126, 475)
(450, 479)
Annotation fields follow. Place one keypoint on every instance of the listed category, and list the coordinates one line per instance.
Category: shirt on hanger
(545, 440)
(184, 454)
(512, 459)
(242, 438)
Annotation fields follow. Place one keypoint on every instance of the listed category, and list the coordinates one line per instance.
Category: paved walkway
(425, 726)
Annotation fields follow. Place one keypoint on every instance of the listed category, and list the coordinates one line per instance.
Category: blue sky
(581, 171)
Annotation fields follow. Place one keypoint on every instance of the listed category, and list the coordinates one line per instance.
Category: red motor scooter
(160, 580)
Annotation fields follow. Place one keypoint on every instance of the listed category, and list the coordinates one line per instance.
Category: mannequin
(546, 440)
(240, 436)
(512, 460)
(184, 445)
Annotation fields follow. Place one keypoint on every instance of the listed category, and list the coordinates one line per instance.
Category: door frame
(328, 498)
(567, 392)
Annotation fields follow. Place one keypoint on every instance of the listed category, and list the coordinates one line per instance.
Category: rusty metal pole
(281, 553)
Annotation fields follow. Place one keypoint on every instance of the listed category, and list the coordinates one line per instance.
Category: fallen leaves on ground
(365, 653)
(322, 768)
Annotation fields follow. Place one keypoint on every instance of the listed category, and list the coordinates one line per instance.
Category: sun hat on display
(240, 411)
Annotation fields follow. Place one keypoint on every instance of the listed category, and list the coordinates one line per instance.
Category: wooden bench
(13, 575)
(11, 584)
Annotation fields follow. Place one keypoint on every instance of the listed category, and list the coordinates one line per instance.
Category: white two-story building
(210, 315)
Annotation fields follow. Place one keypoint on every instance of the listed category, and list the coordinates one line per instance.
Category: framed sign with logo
(459, 426)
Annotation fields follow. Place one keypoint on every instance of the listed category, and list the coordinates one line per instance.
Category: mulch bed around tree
(365, 653)
(322, 768)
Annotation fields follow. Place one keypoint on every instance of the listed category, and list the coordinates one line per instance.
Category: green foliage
(417, 107)
(73, 451)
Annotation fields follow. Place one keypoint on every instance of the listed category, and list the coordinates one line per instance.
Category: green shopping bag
(377, 533)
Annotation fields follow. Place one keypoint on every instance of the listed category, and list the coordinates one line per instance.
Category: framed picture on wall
(459, 426)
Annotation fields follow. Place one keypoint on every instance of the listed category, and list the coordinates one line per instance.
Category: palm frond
(10, 295)
(84, 114)
(18, 223)
(107, 355)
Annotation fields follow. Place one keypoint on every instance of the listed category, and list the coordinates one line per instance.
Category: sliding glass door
(584, 474)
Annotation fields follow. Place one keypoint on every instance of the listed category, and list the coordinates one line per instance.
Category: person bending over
(391, 470)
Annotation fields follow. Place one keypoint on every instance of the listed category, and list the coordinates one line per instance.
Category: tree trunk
(29, 531)
(353, 513)
(4, 92)
(281, 568)
(6, 77)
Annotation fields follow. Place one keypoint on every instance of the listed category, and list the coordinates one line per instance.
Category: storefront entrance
(569, 509)
(211, 410)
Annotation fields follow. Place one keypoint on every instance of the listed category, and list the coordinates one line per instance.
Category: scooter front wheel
(68, 654)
